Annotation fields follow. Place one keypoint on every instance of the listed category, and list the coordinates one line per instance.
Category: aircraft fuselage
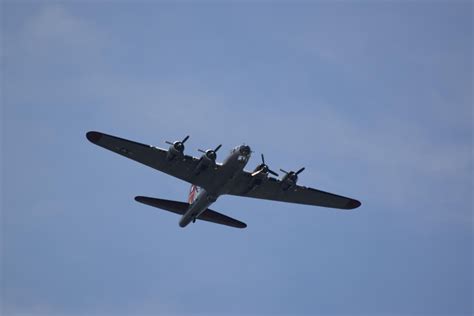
(232, 166)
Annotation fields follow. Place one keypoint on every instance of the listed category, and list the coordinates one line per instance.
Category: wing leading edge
(153, 157)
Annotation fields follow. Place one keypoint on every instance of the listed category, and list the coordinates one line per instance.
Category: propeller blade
(217, 148)
(273, 172)
(256, 172)
(169, 143)
(284, 171)
(201, 151)
(263, 159)
(300, 171)
(185, 139)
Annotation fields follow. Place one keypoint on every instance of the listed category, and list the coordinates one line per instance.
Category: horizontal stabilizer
(181, 208)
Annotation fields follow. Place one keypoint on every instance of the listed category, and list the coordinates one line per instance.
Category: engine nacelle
(257, 180)
(262, 170)
(289, 181)
(176, 149)
(208, 160)
(175, 152)
(204, 163)
(290, 178)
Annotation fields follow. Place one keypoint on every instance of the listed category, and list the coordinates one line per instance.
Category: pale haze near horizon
(374, 99)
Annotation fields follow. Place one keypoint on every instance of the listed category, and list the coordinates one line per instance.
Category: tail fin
(181, 207)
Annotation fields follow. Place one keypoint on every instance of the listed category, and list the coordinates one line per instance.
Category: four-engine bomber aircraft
(210, 179)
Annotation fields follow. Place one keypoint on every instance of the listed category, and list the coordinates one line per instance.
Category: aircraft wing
(271, 189)
(154, 157)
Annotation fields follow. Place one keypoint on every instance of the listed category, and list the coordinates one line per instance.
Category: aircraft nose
(245, 150)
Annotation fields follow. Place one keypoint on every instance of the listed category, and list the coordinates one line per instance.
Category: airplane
(210, 179)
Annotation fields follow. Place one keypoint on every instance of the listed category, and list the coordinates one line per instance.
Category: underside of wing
(182, 168)
(181, 208)
(272, 189)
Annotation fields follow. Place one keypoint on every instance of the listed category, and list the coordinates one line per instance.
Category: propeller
(292, 174)
(263, 167)
(178, 145)
(211, 154)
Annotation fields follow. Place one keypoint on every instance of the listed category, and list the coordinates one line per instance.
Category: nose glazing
(244, 150)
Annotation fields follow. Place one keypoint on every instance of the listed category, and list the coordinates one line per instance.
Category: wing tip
(352, 204)
(241, 225)
(94, 136)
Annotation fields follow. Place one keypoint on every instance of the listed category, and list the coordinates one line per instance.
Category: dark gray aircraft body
(210, 179)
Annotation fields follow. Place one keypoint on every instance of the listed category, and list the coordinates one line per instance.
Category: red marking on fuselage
(192, 194)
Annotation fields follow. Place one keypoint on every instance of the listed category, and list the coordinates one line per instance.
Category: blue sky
(374, 99)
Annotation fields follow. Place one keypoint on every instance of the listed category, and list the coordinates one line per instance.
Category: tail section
(181, 208)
